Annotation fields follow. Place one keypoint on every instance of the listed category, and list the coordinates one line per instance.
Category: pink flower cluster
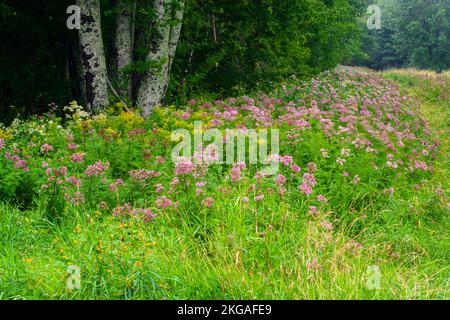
(113, 187)
(208, 202)
(309, 181)
(237, 170)
(96, 169)
(164, 202)
(19, 163)
(46, 148)
(77, 157)
(280, 180)
(184, 167)
(142, 175)
(127, 209)
(76, 199)
(136, 132)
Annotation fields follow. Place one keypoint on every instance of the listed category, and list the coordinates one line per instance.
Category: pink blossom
(314, 265)
(309, 179)
(326, 225)
(186, 115)
(356, 179)
(21, 164)
(136, 132)
(305, 188)
(72, 146)
(160, 160)
(147, 214)
(280, 180)
(96, 169)
(312, 210)
(200, 184)
(46, 148)
(77, 157)
(2, 144)
(174, 182)
(76, 199)
(259, 197)
(163, 202)
(420, 165)
(312, 167)
(208, 202)
(286, 160)
(236, 173)
(340, 161)
(324, 153)
(159, 188)
(185, 167)
(345, 152)
(74, 181)
(143, 174)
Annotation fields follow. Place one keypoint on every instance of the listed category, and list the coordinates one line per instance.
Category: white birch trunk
(124, 44)
(92, 55)
(153, 88)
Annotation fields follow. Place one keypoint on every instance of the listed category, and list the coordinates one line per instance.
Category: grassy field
(366, 217)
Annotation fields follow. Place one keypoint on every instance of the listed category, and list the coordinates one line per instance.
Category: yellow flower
(5, 134)
(110, 131)
(131, 119)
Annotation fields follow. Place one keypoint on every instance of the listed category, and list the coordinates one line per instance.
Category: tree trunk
(154, 85)
(92, 55)
(124, 44)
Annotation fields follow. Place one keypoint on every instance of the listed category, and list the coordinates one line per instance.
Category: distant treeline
(413, 33)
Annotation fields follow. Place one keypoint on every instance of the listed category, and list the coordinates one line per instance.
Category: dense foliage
(413, 34)
(226, 46)
(233, 46)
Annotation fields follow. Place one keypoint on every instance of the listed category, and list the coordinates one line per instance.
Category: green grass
(240, 252)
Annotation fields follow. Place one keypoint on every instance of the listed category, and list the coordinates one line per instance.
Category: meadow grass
(267, 250)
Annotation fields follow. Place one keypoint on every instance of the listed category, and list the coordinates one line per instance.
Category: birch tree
(93, 59)
(124, 42)
(152, 91)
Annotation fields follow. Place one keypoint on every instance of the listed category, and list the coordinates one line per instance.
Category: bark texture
(93, 55)
(154, 85)
(124, 44)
